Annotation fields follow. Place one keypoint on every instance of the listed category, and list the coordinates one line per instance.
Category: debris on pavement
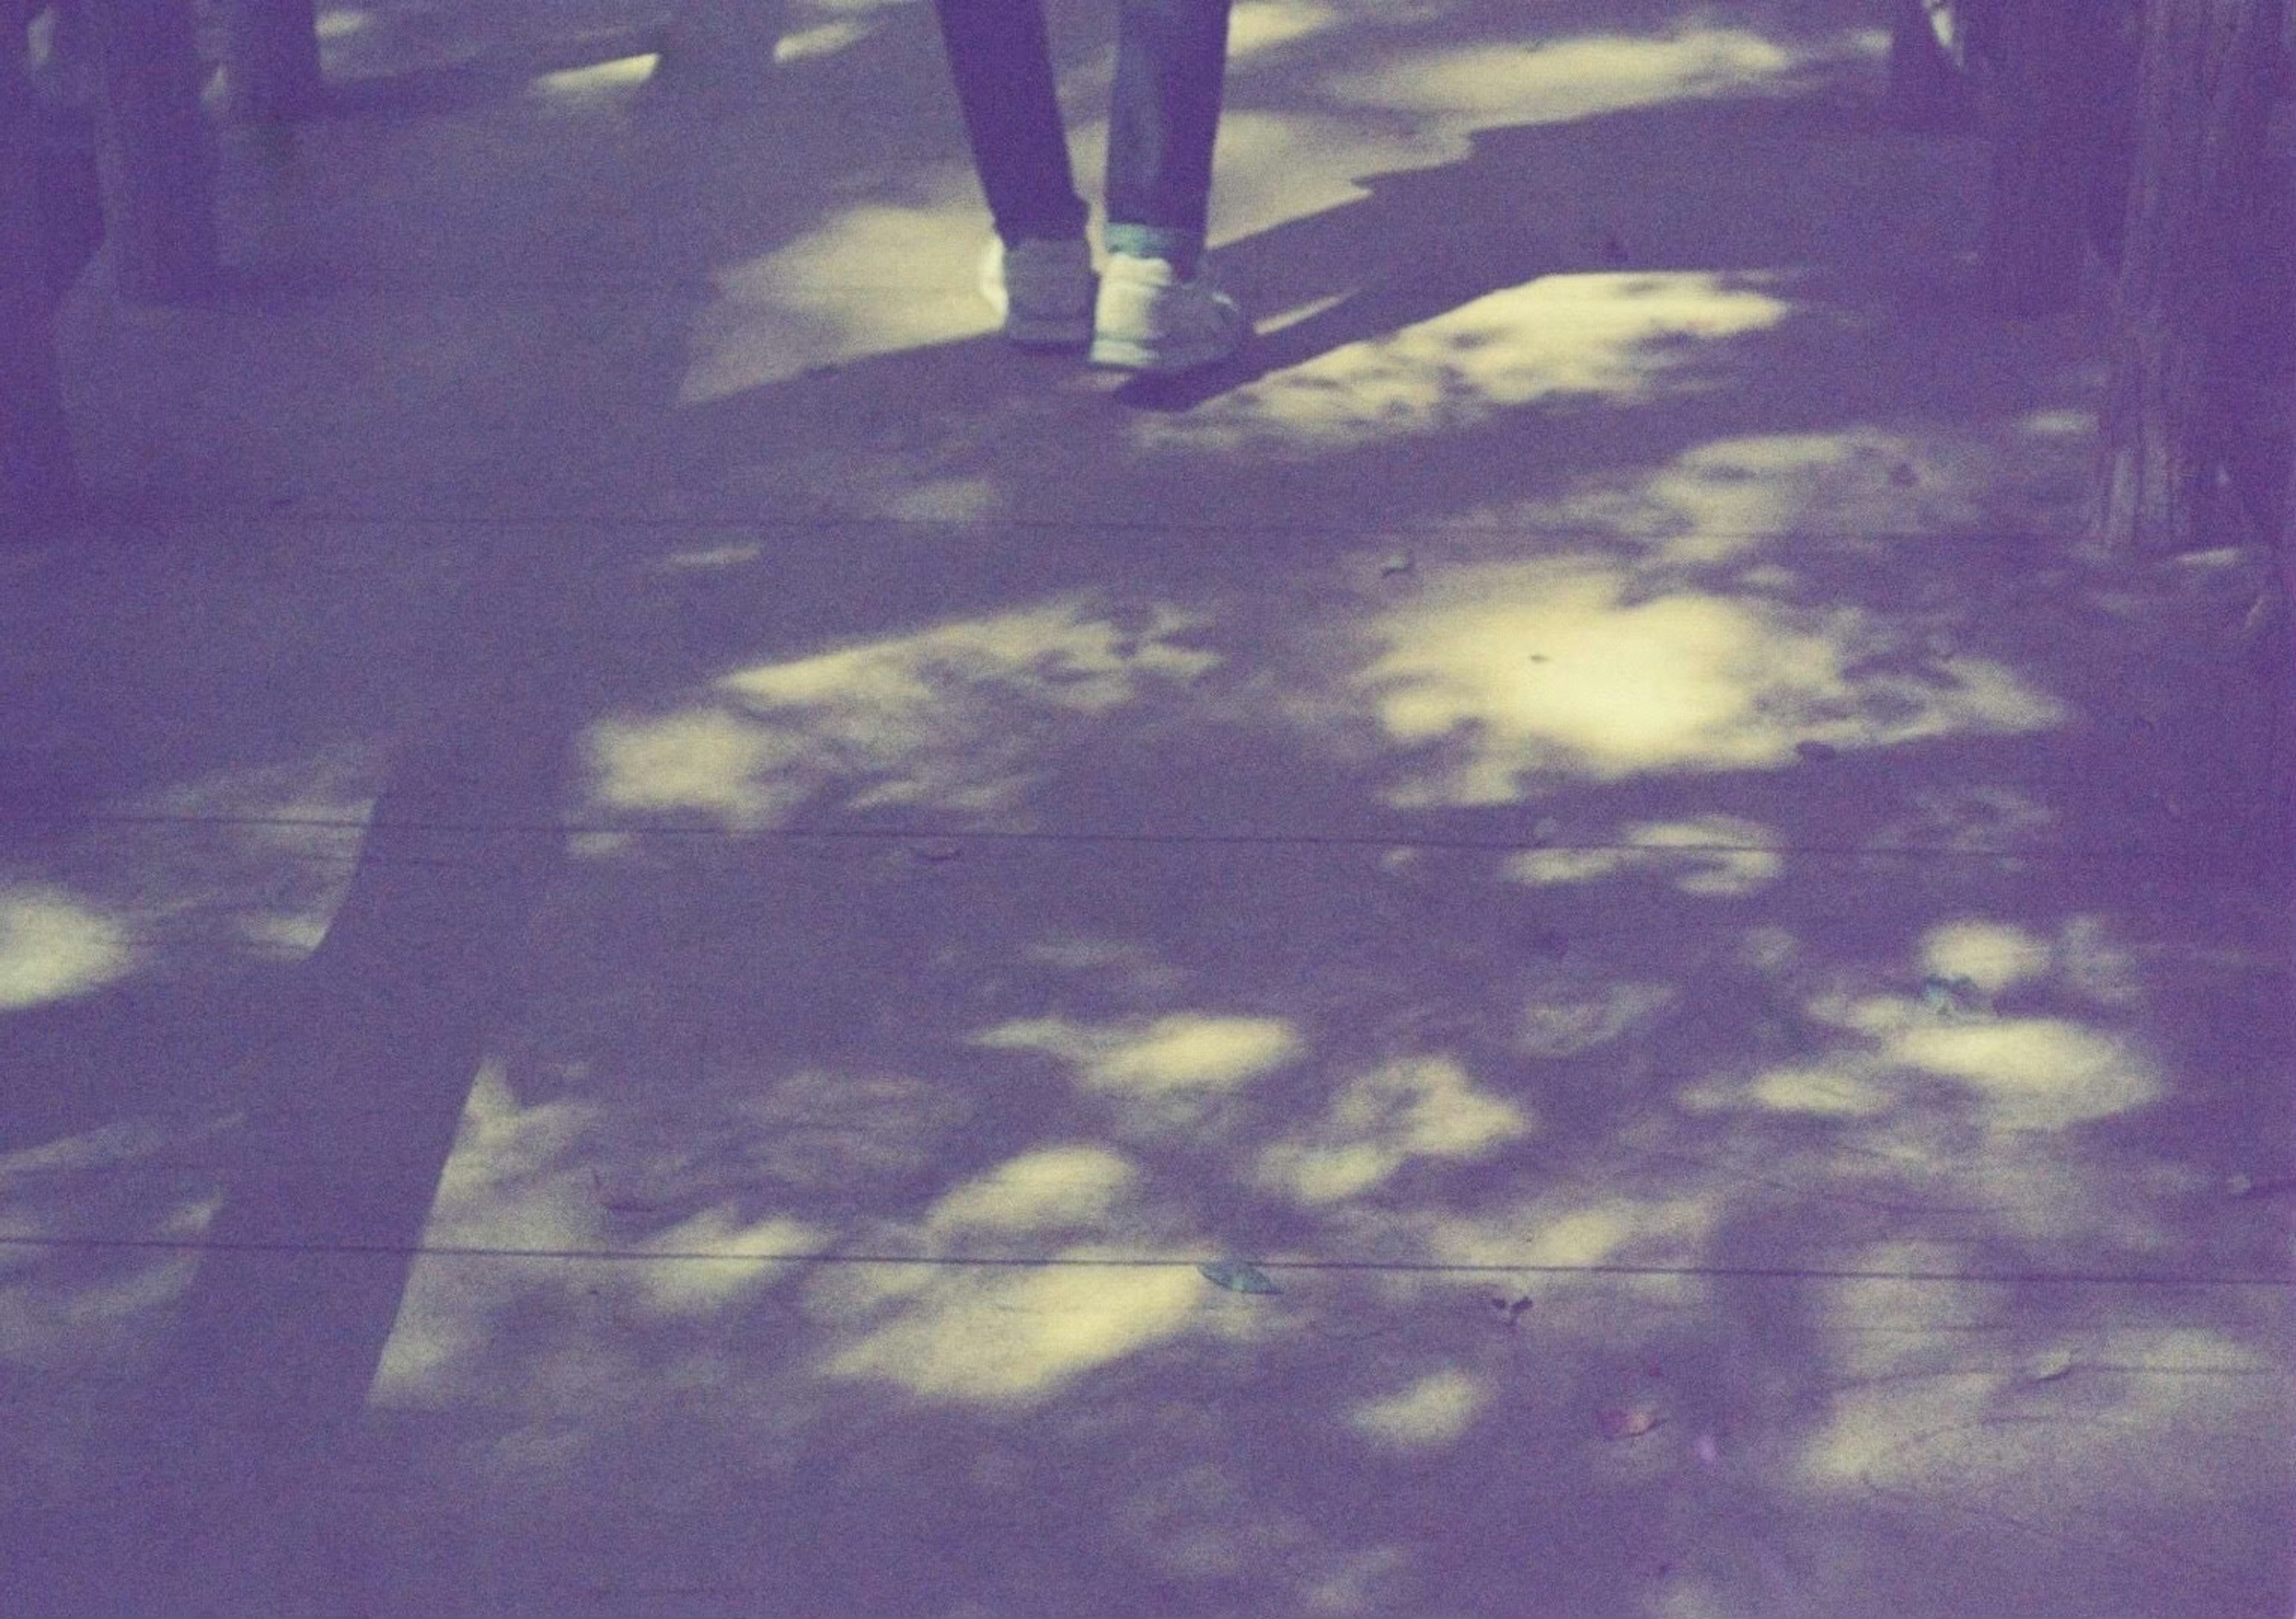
(1238, 1276)
(1816, 753)
(1628, 1421)
(935, 854)
(1509, 1310)
(2047, 1366)
(1953, 998)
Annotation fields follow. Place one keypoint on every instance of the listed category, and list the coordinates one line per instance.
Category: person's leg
(1002, 63)
(1171, 66)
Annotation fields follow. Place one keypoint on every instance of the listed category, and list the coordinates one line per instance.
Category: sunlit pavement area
(678, 939)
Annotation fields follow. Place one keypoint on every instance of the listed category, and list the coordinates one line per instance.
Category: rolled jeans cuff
(1178, 246)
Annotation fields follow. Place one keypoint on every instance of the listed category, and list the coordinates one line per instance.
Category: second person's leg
(1171, 67)
(1156, 311)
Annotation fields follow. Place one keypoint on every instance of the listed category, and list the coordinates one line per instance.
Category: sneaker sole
(1116, 354)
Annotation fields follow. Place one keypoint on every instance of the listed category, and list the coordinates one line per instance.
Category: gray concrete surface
(655, 903)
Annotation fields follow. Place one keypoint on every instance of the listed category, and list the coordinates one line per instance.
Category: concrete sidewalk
(677, 939)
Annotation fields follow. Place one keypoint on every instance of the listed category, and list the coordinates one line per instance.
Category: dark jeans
(1171, 59)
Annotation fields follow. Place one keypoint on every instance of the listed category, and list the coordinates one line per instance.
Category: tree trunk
(272, 67)
(36, 471)
(158, 162)
(2204, 102)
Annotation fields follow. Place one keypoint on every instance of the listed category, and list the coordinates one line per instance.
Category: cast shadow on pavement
(836, 939)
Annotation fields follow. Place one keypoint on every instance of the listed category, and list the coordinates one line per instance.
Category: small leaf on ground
(2047, 1366)
(1817, 753)
(937, 852)
(1238, 1276)
(1399, 564)
(1952, 997)
(1628, 1421)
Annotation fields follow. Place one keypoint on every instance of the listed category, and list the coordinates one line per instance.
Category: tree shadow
(964, 927)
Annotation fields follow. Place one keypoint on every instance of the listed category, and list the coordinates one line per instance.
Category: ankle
(1180, 248)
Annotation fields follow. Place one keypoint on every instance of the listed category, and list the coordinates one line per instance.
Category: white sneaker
(1148, 319)
(1042, 291)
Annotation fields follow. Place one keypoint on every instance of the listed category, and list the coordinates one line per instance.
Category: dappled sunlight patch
(1587, 336)
(952, 716)
(1557, 867)
(822, 39)
(1178, 1073)
(1545, 668)
(1020, 1337)
(1293, 163)
(1558, 81)
(510, 1181)
(1047, 1189)
(1182, 1052)
(1721, 856)
(1719, 500)
(685, 1284)
(2027, 1435)
(2075, 1427)
(73, 1309)
(1584, 1237)
(1504, 674)
(69, 1298)
(914, 499)
(1313, 1174)
(1415, 1107)
(1820, 1093)
(1992, 956)
(1060, 653)
(1260, 25)
(601, 82)
(446, 1317)
(288, 938)
(93, 1321)
(55, 946)
(1434, 1413)
(1563, 1021)
(849, 291)
(2033, 1073)
(1562, 1228)
(706, 760)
